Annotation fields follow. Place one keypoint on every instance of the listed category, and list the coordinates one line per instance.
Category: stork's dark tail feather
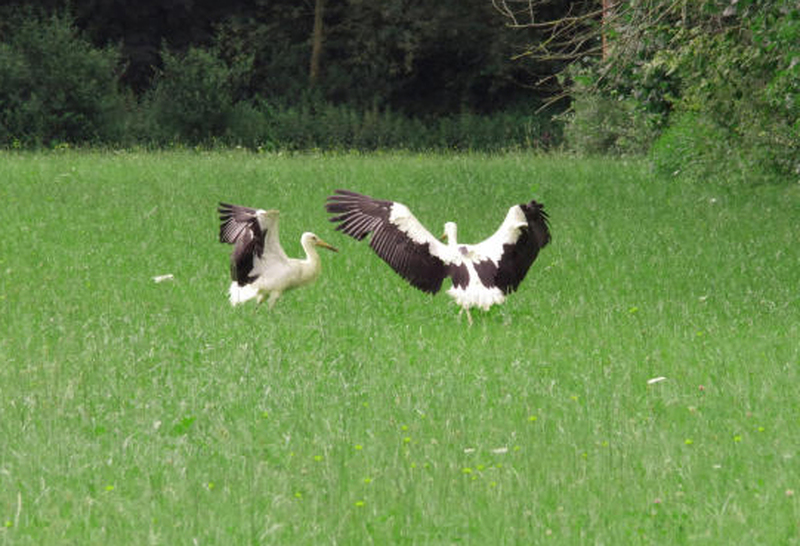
(539, 222)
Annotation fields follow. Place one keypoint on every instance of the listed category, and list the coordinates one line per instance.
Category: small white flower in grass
(500, 450)
(469, 450)
(655, 380)
(162, 278)
(703, 298)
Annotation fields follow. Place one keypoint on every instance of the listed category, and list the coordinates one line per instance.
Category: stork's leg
(273, 297)
(469, 317)
(259, 299)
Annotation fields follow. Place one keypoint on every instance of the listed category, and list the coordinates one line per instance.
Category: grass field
(362, 411)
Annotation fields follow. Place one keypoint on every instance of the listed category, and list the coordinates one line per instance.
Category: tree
(680, 75)
(55, 86)
(563, 33)
(316, 42)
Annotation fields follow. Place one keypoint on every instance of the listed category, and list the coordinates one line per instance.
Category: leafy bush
(600, 125)
(720, 78)
(744, 88)
(696, 147)
(248, 126)
(192, 100)
(56, 87)
(15, 121)
(328, 126)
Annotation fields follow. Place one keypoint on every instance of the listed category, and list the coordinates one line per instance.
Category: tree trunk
(608, 15)
(316, 42)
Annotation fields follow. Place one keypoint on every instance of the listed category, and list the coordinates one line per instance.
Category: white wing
(272, 241)
(273, 260)
(507, 234)
(254, 234)
(514, 246)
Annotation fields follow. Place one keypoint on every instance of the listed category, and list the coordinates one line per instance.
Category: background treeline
(368, 74)
(706, 87)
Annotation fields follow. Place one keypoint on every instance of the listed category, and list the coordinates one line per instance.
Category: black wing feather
(358, 215)
(518, 257)
(239, 226)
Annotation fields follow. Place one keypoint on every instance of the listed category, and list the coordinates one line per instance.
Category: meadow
(361, 411)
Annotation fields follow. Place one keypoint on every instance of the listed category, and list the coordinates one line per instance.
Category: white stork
(259, 266)
(482, 274)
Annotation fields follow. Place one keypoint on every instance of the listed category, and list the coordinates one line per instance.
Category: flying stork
(259, 266)
(481, 274)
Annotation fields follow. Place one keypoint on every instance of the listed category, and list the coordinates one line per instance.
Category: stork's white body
(260, 268)
(275, 275)
(475, 293)
(482, 274)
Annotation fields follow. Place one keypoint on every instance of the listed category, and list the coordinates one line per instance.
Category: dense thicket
(708, 88)
(389, 72)
(55, 87)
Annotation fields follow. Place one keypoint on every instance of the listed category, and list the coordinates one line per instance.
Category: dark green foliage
(326, 126)
(56, 87)
(14, 81)
(418, 58)
(745, 82)
(607, 122)
(694, 146)
(192, 99)
(719, 81)
(248, 126)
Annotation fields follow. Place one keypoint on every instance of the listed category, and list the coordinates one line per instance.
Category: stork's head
(450, 233)
(311, 239)
(267, 216)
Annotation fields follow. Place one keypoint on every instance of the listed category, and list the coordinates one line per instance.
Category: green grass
(362, 411)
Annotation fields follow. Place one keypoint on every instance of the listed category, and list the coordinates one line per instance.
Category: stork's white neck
(451, 231)
(310, 248)
(310, 266)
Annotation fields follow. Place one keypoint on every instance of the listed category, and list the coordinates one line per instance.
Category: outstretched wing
(515, 244)
(244, 228)
(398, 238)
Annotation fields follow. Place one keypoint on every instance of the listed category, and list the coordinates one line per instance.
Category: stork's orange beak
(323, 244)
